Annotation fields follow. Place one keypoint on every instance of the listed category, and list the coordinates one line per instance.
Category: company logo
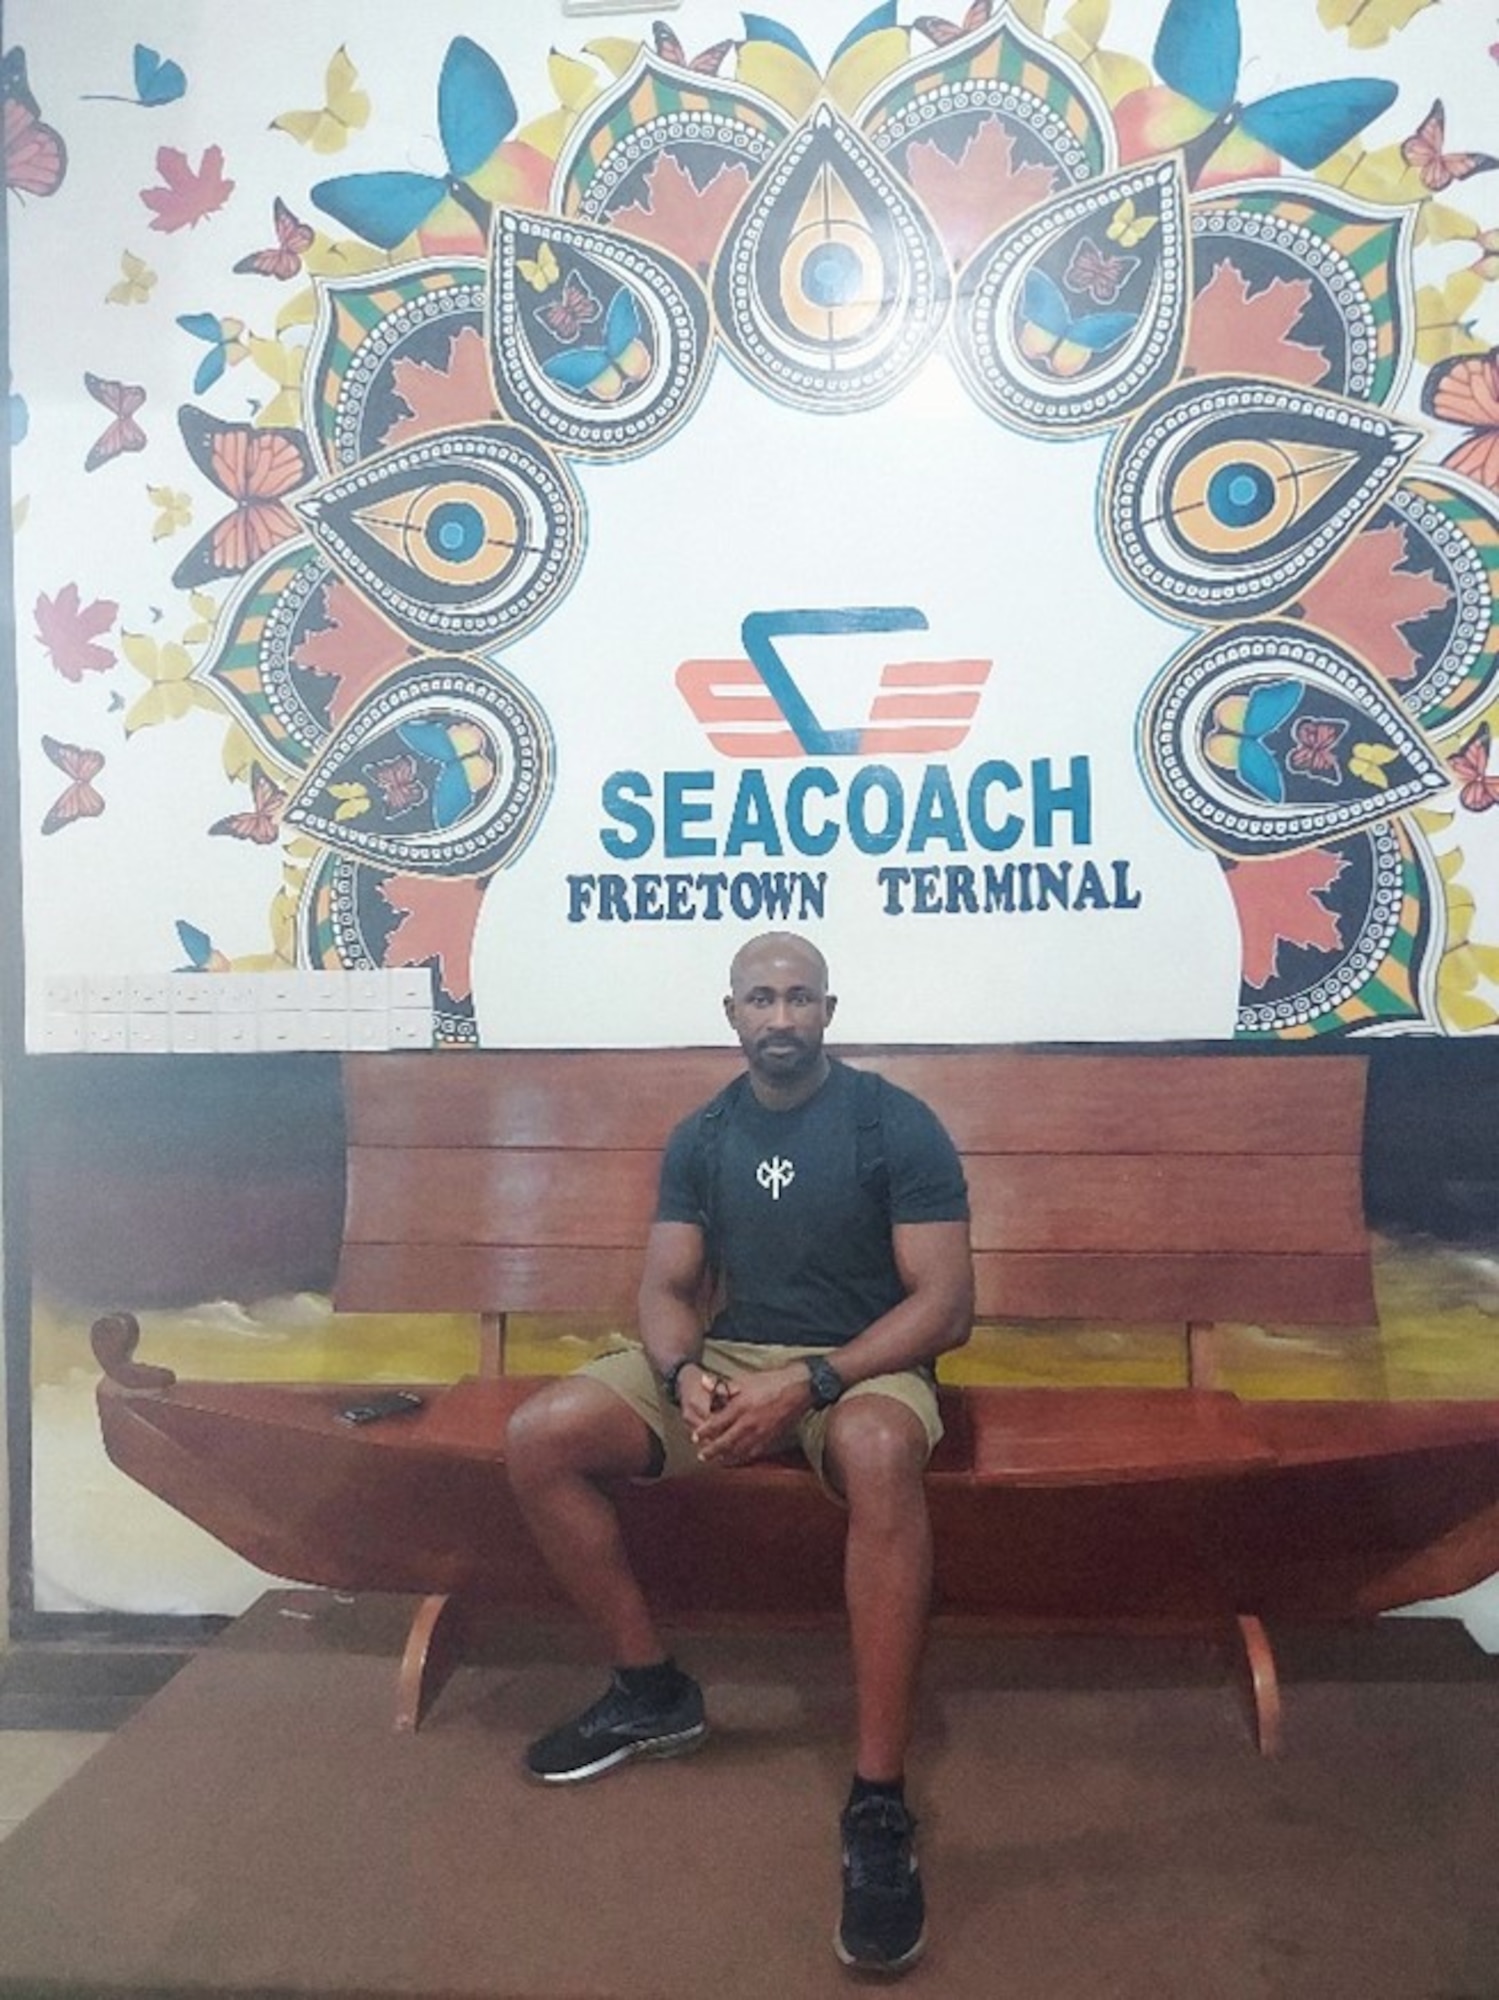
(757, 708)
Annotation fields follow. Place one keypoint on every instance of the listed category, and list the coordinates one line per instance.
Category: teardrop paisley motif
(462, 539)
(368, 331)
(1351, 263)
(1272, 737)
(1077, 314)
(667, 155)
(1226, 494)
(988, 126)
(831, 287)
(1451, 532)
(1378, 903)
(598, 344)
(251, 663)
(347, 916)
(445, 770)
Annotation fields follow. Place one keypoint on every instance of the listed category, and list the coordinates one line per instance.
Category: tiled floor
(33, 1763)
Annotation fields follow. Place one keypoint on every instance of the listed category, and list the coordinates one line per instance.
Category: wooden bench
(1188, 1189)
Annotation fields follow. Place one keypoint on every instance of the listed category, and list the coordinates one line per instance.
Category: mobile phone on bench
(386, 1403)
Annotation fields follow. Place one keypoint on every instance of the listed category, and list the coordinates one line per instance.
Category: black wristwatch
(827, 1384)
(671, 1376)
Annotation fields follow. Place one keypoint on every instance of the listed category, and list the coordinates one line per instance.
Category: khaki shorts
(631, 1377)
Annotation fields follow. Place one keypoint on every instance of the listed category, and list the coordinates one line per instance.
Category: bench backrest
(1135, 1188)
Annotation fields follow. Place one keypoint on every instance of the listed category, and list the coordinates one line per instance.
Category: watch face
(827, 1384)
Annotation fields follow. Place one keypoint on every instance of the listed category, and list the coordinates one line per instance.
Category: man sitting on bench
(831, 1210)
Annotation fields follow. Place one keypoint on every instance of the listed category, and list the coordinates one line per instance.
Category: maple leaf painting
(187, 194)
(354, 648)
(68, 631)
(679, 216)
(1277, 902)
(446, 398)
(1234, 333)
(971, 196)
(1365, 598)
(437, 920)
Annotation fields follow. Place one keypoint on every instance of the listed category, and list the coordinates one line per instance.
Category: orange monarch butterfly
(262, 823)
(122, 400)
(80, 800)
(1438, 169)
(1478, 791)
(938, 31)
(256, 468)
(284, 258)
(670, 49)
(1465, 390)
(35, 157)
(1315, 738)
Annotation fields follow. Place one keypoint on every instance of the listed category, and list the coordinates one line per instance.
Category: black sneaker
(620, 1725)
(884, 1911)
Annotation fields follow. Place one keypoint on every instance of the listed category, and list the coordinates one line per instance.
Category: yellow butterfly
(353, 801)
(174, 510)
(347, 110)
(542, 271)
(136, 280)
(1367, 761)
(1127, 228)
(1369, 23)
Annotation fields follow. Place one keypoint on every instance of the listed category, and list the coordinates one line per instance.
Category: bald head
(779, 1006)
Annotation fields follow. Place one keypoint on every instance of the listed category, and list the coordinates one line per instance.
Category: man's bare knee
(575, 1427)
(877, 1450)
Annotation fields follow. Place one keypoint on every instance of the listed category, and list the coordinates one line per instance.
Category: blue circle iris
(1239, 495)
(455, 531)
(831, 274)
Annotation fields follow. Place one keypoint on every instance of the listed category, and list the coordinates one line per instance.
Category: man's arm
(936, 1267)
(670, 1317)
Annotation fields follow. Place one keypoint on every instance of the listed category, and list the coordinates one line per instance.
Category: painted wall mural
(1014, 496)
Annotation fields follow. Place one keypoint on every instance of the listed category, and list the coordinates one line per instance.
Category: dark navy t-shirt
(803, 1248)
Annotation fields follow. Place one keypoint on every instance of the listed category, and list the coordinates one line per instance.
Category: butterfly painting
(605, 372)
(398, 783)
(669, 48)
(1314, 742)
(135, 283)
(939, 31)
(122, 400)
(1197, 53)
(35, 157)
(262, 822)
(1425, 150)
(158, 81)
(226, 346)
(1464, 390)
(465, 767)
(1477, 790)
(1053, 340)
(475, 111)
(79, 800)
(1239, 725)
(570, 311)
(203, 955)
(284, 258)
(256, 469)
(1102, 274)
(345, 109)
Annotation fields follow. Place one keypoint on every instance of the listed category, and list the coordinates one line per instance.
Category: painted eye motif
(463, 538)
(832, 284)
(1225, 496)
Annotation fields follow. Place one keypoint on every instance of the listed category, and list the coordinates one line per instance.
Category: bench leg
(1258, 1658)
(433, 1646)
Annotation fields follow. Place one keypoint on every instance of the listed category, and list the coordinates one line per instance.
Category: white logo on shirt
(774, 1175)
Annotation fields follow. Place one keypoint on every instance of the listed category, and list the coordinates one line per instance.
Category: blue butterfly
(1049, 337)
(1236, 735)
(158, 81)
(225, 345)
(475, 111)
(465, 768)
(202, 953)
(1197, 54)
(606, 372)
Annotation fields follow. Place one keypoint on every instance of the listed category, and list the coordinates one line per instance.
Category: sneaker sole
(681, 1745)
(889, 1968)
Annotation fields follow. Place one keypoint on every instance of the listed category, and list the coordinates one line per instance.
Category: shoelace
(877, 1837)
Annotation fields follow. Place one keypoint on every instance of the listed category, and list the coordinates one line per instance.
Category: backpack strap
(872, 1167)
(707, 1152)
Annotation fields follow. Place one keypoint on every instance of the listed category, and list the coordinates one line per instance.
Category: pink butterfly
(122, 400)
(572, 309)
(398, 783)
(1315, 737)
(1099, 273)
(80, 800)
